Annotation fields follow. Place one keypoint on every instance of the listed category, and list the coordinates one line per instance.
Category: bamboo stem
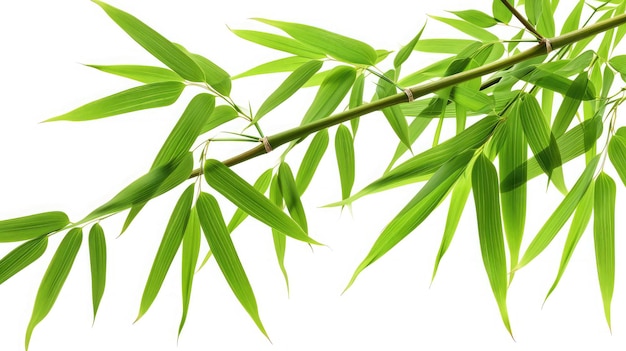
(522, 19)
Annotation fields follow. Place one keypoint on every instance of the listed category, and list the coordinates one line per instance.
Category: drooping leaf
(393, 114)
(477, 18)
(460, 193)
(220, 115)
(281, 43)
(404, 53)
(280, 240)
(54, 278)
(291, 195)
(545, 25)
(98, 264)
(344, 150)
(21, 257)
(469, 29)
(485, 189)
(261, 185)
(573, 19)
(576, 230)
(134, 99)
(533, 10)
(356, 100)
(500, 12)
(330, 94)
(144, 74)
(617, 154)
(171, 241)
(31, 227)
(245, 197)
(569, 106)
(335, 45)
(290, 86)
(218, 238)
(560, 215)
(287, 64)
(191, 250)
(604, 238)
(311, 160)
(417, 210)
(161, 48)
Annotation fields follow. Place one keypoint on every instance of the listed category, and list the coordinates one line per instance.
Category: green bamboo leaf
(500, 12)
(161, 48)
(214, 75)
(21, 257)
(417, 210)
(583, 43)
(98, 263)
(280, 43)
(545, 24)
(619, 64)
(280, 240)
(443, 46)
(472, 99)
(485, 189)
(393, 114)
(469, 29)
(460, 193)
(562, 213)
(426, 163)
(171, 241)
(477, 18)
(540, 139)
(570, 105)
(287, 64)
(144, 74)
(291, 195)
(317, 79)
(406, 50)
(335, 45)
(572, 144)
(311, 160)
(220, 115)
(330, 94)
(218, 238)
(533, 10)
(344, 150)
(513, 155)
(54, 278)
(416, 128)
(146, 187)
(576, 230)
(573, 19)
(290, 86)
(604, 238)
(31, 227)
(547, 79)
(244, 196)
(434, 70)
(261, 185)
(356, 99)
(617, 154)
(134, 99)
(191, 250)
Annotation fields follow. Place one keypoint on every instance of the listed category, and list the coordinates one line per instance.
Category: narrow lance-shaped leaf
(244, 196)
(604, 238)
(219, 241)
(533, 10)
(417, 210)
(144, 74)
(287, 64)
(573, 19)
(280, 239)
(280, 43)
(134, 99)
(443, 46)
(344, 150)
(485, 189)
(21, 257)
(617, 155)
(220, 115)
(334, 45)
(576, 230)
(171, 241)
(457, 204)
(161, 48)
(569, 106)
(513, 155)
(476, 18)
(98, 264)
(214, 75)
(290, 86)
(291, 195)
(500, 12)
(261, 185)
(469, 29)
(54, 278)
(562, 213)
(394, 114)
(330, 94)
(31, 227)
(191, 250)
(356, 100)
(311, 160)
(406, 50)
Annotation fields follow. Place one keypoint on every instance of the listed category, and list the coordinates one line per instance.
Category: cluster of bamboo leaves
(498, 117)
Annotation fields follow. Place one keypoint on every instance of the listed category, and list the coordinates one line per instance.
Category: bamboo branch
(522, 19)
(542, 48)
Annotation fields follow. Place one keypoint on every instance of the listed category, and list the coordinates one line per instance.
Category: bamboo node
(266, 144)
(409, 94)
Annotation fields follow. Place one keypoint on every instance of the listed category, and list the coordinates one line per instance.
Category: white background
(75, 167)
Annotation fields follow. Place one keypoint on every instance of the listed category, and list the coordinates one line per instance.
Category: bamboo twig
(522, 19)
